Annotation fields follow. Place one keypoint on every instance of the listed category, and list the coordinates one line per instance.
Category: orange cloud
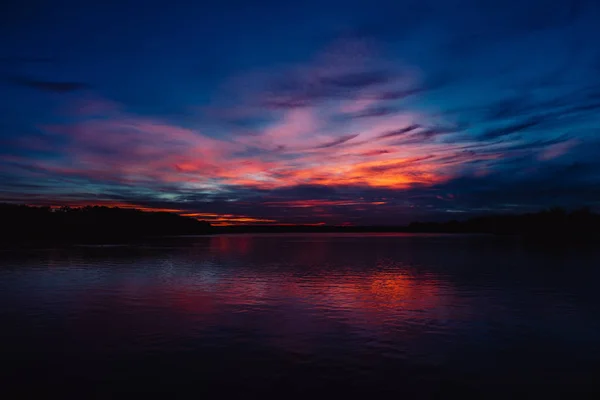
(229, 219)
(319, 203)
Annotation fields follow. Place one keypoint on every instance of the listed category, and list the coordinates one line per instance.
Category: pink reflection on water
(290, 305)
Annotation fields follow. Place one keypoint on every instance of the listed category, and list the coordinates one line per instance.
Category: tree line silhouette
(100, 223)
(27, 223)
(554, 223)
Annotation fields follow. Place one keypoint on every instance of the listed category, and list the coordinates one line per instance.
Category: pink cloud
(557, 150)
(299, 148)
(301, 142)
(358, 105)
(296, 126)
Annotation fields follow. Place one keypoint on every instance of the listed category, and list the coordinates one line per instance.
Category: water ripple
(316, 308)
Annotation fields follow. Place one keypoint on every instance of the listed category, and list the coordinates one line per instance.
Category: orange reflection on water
(369, 299)
(304, 290)
(225, 245)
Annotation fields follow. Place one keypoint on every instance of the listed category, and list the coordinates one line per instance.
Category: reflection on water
(417, 315)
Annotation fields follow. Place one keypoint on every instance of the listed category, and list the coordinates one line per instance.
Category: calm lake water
(297, 315)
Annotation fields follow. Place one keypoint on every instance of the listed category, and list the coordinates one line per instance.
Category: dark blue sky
(315, 111)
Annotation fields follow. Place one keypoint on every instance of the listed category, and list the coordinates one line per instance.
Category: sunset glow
(354, 125)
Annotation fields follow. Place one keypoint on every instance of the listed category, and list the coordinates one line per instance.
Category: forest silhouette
(92, 223)
(99, 223)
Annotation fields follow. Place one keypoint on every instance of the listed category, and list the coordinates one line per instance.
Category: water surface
(301, 314)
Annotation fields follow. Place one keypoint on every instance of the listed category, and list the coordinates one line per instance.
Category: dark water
(301, 315)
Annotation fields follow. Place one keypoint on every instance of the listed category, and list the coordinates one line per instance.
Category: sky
(313, 112)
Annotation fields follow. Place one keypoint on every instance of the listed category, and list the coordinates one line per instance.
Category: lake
(300, 315)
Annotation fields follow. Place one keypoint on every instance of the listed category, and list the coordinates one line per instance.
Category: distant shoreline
(26, 224)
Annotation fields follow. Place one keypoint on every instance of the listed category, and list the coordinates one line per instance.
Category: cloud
(105, 146)
(49, 86)
(350, 69)
(518, 146)
(374, 112)
(511, 129)
(372, 153)
(353, 133)
(337, 141)
(398, 94)
(399, 132)
(353, 80)
(395, 165)
(557, 150)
